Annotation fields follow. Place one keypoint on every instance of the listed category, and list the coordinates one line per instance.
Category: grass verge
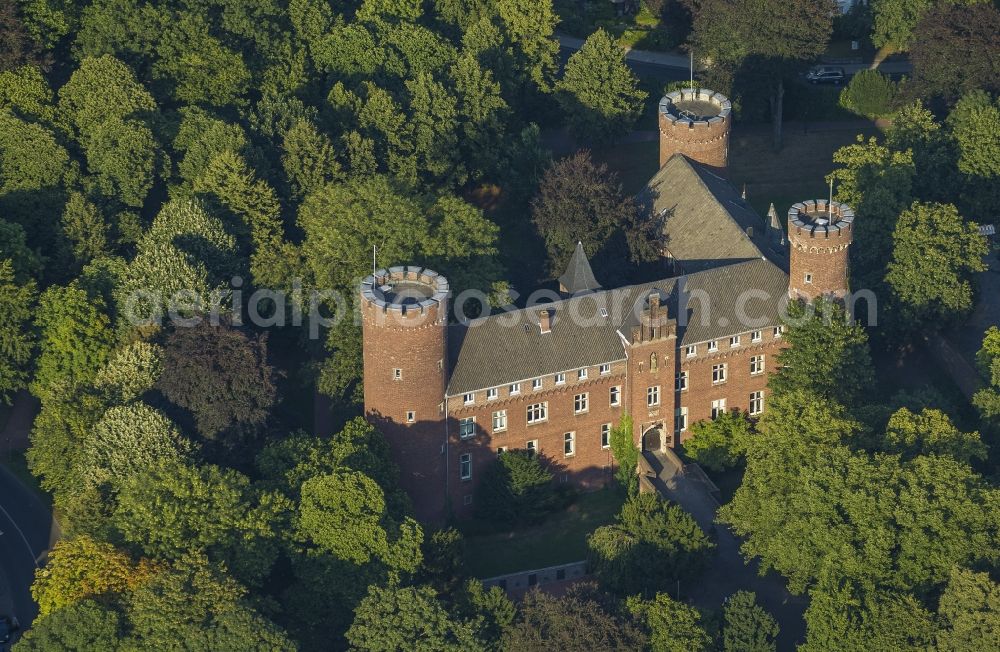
(561, 539)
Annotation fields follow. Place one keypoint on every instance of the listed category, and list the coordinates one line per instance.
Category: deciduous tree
(718, 444)
(673, 626)
(746, 626)
(17, 341)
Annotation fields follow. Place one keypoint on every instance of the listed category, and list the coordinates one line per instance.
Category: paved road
(728, 571)
(643, 58)
(26, 528)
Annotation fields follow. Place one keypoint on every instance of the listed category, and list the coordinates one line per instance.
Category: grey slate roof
(579, 277)
(510, 347)
(706, 221)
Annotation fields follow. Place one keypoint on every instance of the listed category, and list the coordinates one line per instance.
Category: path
(728, 572)
(27, 527)
(675, 60)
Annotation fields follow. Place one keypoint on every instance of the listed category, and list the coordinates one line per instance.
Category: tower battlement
(819, 234)
(405, 296)
(695, 123)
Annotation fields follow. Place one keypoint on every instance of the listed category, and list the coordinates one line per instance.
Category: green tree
(17, 341)
(987, 400)
(673, 626)
(582, 619)
(517, 488)
(877, 182)
(870, 94)
(175, 508)
(975, 123)
(75, 341)
(931, 432)
(85, 228)
(128, 441)
(344, 514)
(124, 157)
(718, 444)
(934, 256)
(130, 372)
(194, 604)
(760, 44)
(894, 21)
(102, 89)
(648, 527)
(14, 248)
(529, 26)
(746, 626)
(85, 625)
(828, 354)
(598, 92)
(309, 159)
(934, 150)
(16, 45)
(222, 377)
(969, 613)
(954, 49)
(397, 619)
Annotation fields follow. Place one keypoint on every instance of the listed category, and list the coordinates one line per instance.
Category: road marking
(34, 558)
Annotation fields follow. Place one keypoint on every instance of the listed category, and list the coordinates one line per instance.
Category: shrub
(870, 94)
(626, 454)
(517, 489)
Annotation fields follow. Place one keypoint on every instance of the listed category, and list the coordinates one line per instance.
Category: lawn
(643, 31)
(561, 539)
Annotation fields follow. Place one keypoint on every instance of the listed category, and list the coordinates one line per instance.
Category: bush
(518, 489)
(626, 454)
(870, 94)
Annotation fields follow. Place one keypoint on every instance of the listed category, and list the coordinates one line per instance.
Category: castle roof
(579, 277)
(587, 330)
(706, 221)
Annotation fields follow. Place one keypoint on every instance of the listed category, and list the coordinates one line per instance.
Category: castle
(556, 378)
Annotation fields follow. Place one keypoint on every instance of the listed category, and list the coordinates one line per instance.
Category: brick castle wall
(819, 254)
(705, 141)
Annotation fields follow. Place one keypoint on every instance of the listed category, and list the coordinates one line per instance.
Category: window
(467, 427)
(682, 381)
(536, 384)
(492, 394)
(713, 346)
(734, 341)
(531, 446)
(778, 330)
(581, 403)
(755, 336)
(440, 364)
(653, 396)
(537, 413)
(616, 396)
(605, 369)
(465, 466)
(718, 373)
(718, 407)
(560, 379)
(691, 351)
(467, 499)
(606, 436)
(581, 375)
(569, 444)
(756, 403)
(515, 389)
(680, 419)
(469, 399)
(756, 365)
(397, 374)
(500, 421)
(809, 278)
(501, 450)
(411, 416)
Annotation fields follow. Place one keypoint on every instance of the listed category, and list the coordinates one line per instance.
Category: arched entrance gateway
(652, 439)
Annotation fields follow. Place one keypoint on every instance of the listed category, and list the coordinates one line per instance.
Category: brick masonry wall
(418, 348)
(821, 256)
(590, 465)
(705, 143)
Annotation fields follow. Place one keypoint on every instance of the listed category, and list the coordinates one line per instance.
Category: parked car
(825, 75)
(8, 627)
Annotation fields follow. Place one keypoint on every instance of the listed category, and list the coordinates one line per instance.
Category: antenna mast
(829, 205)
(692, 68)
(373, 260)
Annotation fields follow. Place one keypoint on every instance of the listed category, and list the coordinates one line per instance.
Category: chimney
(545, 320)
(654, 304)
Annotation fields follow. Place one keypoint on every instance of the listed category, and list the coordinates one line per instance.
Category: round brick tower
(819, 236)
(404, 312)
(696, 123)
